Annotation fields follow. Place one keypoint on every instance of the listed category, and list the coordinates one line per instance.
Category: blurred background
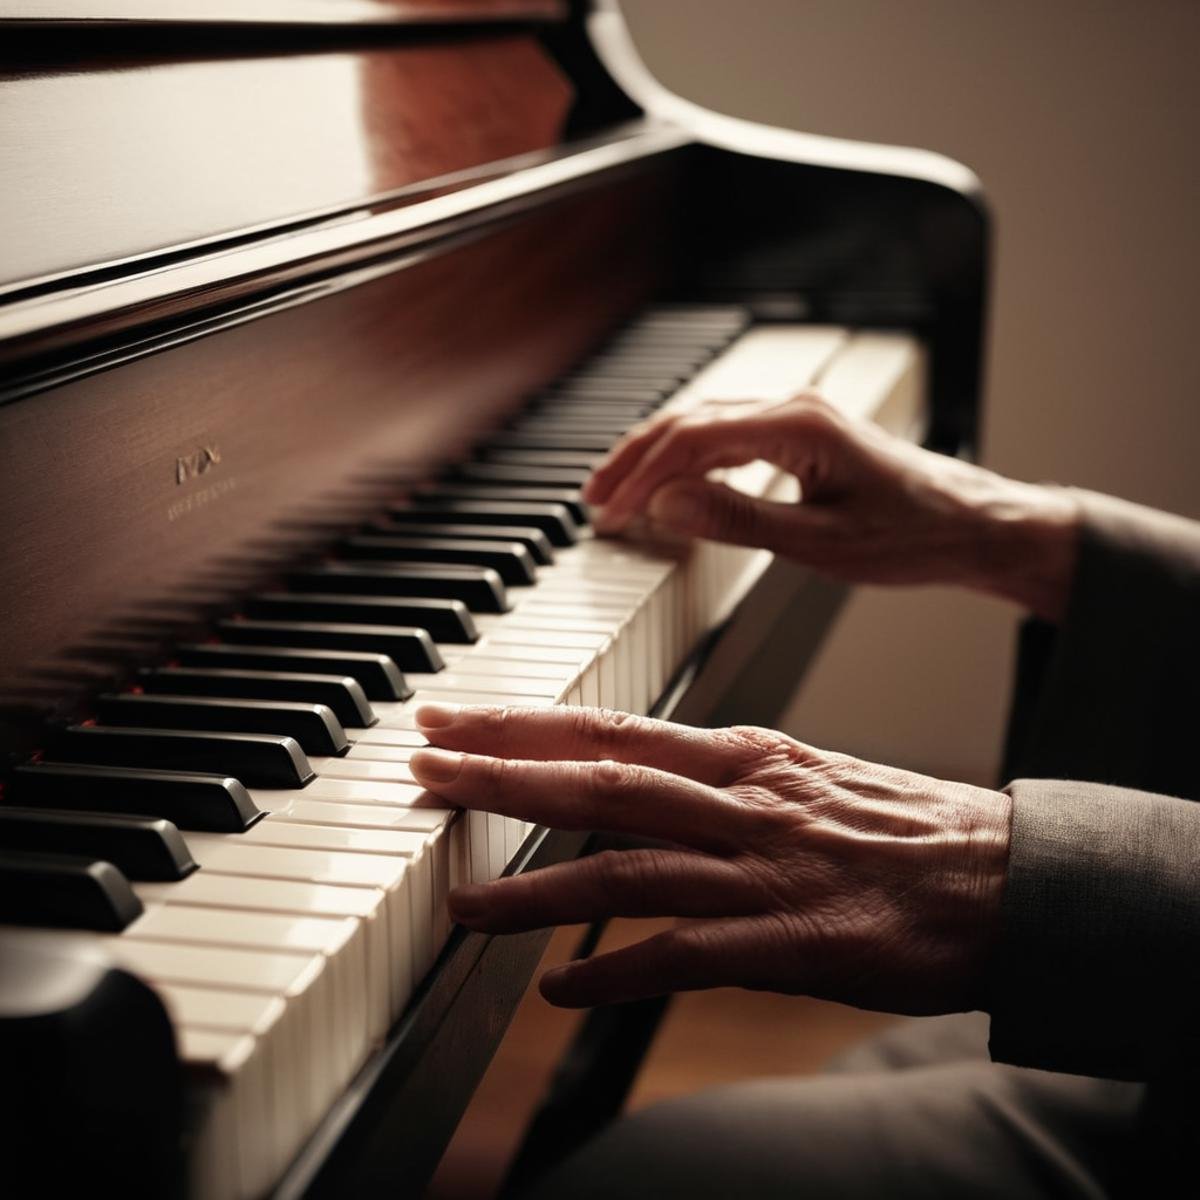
(1082, 118)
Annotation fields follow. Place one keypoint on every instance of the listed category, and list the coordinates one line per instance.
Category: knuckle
(603, 728)
(624, 879)
(768, 747)
(740, 517)
(499, 773)
(495, 723)
(608, 775)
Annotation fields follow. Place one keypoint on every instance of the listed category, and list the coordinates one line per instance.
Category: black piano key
(510, 561)
(629, 393)
(579, 407)
(313, 726)
(256, 759)
(206, 803)
(554, 520)
(546, 458)
(444, 620)
(65, 891)
(534, 540)
(540, 423)
(376, 674)
(340, 693)
(554, 440)
(480, 588)
(600, 379)
(553, 477)
(683, 361)
(499, 494)
(410, 649)
(147, 848)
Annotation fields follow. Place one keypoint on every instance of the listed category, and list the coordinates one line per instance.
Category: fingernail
(678, 505)
(468, 901)
(437, 716)
(435, 766)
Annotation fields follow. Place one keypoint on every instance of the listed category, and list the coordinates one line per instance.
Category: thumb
(700, 508)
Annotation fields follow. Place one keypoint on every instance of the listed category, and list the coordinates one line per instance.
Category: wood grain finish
(315, 414)
(135, 158)
(281, 12)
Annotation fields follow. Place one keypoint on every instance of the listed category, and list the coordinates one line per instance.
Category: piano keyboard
(278, 876)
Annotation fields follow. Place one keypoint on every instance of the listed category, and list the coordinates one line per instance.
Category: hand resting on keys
(875, 508)
(795, 870)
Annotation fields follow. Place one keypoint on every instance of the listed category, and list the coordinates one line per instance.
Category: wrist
(1028, 544)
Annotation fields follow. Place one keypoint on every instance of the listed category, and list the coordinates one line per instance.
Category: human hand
(874, 509)
(796, 870)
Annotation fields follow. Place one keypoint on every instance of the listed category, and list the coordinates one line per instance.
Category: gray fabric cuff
(1117, 686)
(1097, 971)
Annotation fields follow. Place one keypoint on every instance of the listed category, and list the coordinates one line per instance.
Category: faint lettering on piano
(199, 499)
(190, 466)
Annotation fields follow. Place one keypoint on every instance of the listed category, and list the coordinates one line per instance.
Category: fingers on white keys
(614, 883)
(583, 734)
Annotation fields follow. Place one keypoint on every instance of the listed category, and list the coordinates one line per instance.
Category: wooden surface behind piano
(122, 528)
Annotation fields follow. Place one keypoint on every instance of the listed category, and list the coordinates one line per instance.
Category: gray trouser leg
(917, 1113)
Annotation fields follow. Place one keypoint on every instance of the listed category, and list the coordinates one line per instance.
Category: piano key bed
(239, 827)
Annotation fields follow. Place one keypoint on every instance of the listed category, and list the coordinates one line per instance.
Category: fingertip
(468, 903)
(556, 988)
(608, 521)
(432, 767)
(437, 716)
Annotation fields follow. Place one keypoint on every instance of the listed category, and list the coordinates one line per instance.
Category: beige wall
(1081, 117)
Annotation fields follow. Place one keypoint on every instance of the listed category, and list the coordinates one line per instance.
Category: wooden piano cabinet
(140, 499)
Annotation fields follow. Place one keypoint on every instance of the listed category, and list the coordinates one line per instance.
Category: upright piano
(314, 315)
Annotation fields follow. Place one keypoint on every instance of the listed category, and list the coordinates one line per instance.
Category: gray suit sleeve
(1097, 968)
(1113, 695)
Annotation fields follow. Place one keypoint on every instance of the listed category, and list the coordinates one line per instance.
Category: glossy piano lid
(281, 12)
(122, 158)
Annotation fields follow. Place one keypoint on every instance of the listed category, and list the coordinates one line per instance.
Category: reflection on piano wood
(288, 462)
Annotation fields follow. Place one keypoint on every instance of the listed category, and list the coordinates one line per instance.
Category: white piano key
(226, 1159)
(401, 715)
(376, 753)
(357, 768)
(465, 679)
(413, 846)
(278, 1042)
(342, 940)
(243, 895)
(379, 736)
(298, 979)
(352, 791)
(231, 856)
(514, 667)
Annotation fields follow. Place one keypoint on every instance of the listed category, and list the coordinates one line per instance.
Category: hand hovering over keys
(875, 508)
(796, 870)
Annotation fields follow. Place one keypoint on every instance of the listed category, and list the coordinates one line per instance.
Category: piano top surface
(141, 153)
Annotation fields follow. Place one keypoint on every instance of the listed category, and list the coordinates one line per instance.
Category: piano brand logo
(199, 462)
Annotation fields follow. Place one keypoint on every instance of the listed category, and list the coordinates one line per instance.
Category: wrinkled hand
(874, 509)
(797, 870)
